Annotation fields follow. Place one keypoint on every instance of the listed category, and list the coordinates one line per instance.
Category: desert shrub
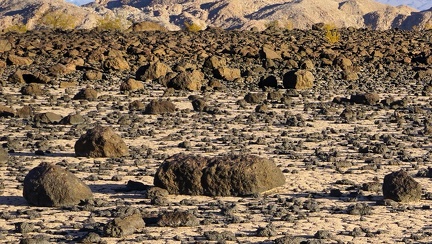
(192, 27)
(110, 23)
(58, 20)
(18, 28)
(428, 25)
(332, 34)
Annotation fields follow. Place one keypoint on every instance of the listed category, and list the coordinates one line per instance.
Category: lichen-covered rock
(101, 142)
(49, 185)
(232, 175)
(401, 187)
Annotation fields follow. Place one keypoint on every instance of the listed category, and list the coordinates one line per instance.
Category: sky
(418, 4)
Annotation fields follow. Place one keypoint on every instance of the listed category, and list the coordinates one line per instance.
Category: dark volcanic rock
(233, 175)
(101, 142)
(49, 185)
(124, 226)
(401, 187)
(367, 98)
(298, 79)
(178, 219)
(159, 107)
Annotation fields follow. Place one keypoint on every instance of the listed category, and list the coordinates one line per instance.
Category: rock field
(223, 116)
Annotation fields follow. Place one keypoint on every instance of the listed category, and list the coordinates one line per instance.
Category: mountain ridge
(227, 14)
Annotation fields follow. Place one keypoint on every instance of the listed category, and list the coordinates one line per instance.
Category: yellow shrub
(19, 28)
(110, 23)
(428, 25)
(58, 20)
(192, 27)
(332, 35)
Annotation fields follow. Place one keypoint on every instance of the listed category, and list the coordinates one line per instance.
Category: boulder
(371, 98)
(36, 78)
(147, 26)
(32, 89)
(89, 94)
(190, 81)
(269, 53)
(231, 175)
(72, 119)
(401, 187)
(152, 71)
(17, 60)
(253, 97)
(159, 107)
(215, 62)
(93, 75)
(101, 142)
(116, 63)
(298, 79)
(124, 226)
(49, 185)
(131, 85)
(5, 45)
(269, 81)
(4, 156)
(47, 118)
(229, 74)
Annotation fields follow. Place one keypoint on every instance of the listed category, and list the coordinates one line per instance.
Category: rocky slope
(227, 14)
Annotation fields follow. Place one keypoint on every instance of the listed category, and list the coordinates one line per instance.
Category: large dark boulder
(401, 187)
(231, 175)
(49, 185)
(101, 142)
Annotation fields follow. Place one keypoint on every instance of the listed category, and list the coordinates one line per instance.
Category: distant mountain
(417, 4)
(79, 2)
(227, 14)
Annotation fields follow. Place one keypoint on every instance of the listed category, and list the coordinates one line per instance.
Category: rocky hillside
(227, 14)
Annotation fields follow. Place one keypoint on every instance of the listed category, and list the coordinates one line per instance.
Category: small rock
(120, 227)
(367, 98)
(93, 75)
(17, 60)
(177, 219)
(72, 119)
(131, 85)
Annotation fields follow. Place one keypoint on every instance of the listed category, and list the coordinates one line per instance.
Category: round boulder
(298, 79)
(49, 185)
(401, 187)
(101, 142)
